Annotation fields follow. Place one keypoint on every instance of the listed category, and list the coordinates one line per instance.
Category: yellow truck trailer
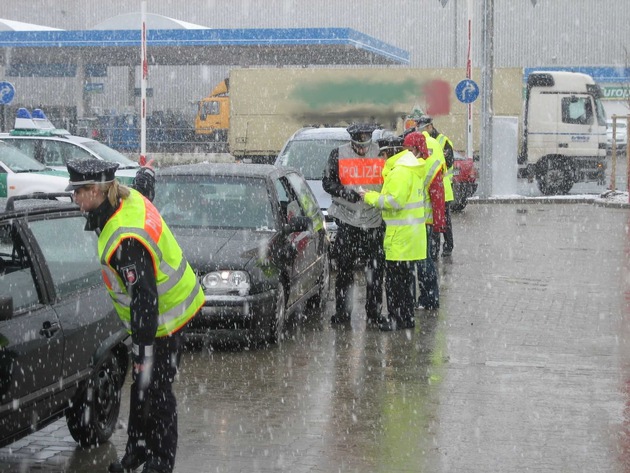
(267, 105)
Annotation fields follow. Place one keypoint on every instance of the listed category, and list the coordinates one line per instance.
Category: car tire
(458, 205)
(278, 320)
(94, 412)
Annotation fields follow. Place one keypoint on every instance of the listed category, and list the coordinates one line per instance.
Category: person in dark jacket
(155, 293)
(352, 168)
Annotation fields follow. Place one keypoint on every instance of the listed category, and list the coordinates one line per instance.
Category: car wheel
(459, 204)
(93, 415)
(318, 301)
(278, 320)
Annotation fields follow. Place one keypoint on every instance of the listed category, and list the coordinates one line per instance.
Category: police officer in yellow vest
(425, 124)
(154, 292)
(401, 202)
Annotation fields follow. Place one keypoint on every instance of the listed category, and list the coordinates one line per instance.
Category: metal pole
(143, 86)
(469, 121)
(613, 157)
(627, 159)
(485, 171)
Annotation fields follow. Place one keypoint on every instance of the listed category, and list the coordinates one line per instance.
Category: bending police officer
(155, 294)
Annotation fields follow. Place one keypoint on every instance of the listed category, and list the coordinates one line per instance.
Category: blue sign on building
(467, 91)
(7, 92)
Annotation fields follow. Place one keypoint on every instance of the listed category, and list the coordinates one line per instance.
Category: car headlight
(226, 282)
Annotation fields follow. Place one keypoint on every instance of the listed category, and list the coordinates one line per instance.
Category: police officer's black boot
(129, 462)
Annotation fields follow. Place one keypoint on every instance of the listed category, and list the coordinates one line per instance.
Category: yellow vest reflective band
(179, 294)
(402, 203)
(435, 148)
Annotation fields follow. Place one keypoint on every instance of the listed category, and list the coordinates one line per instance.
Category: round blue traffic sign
(467, 91)
(7, 92)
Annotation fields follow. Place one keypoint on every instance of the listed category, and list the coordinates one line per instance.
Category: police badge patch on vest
(130, 274)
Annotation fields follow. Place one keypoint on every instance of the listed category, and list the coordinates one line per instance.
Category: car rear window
(214, 202)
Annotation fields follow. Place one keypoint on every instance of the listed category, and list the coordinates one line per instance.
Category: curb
(547, 200)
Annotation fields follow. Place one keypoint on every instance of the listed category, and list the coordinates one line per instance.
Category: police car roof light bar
(36, 124)
(41, 120)
(24, 120)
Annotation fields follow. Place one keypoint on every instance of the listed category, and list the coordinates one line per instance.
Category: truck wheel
(556, 179)
(94, 412)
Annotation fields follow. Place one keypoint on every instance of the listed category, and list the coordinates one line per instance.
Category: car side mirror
(6, 307)
(297, 224)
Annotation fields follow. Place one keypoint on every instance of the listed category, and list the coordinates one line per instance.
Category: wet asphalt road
(525, 367)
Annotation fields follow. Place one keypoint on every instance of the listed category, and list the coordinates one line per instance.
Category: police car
(38, 138)
(20, 175)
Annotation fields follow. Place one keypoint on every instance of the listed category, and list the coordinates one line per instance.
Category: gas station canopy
(239, 47)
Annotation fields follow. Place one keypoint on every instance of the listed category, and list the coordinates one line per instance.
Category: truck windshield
(601, 112)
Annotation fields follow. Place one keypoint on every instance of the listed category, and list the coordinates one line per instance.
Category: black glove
(351, 196)
(144, 182)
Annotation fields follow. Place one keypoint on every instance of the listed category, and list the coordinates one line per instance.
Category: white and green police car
(21, 175)
(37, 137)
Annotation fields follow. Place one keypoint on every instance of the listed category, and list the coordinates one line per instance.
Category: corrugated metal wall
(554, 32)
(572, 32)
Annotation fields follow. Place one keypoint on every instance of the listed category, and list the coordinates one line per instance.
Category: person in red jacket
(435, 213)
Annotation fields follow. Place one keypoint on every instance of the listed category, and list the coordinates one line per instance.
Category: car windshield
(110, 155)
(309, 156)
(214, 202)
(17, 161)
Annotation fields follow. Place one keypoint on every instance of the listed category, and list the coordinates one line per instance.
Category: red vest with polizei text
(356, 173)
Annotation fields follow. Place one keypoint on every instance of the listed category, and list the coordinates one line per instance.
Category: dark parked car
(62, 347)
(256, 237)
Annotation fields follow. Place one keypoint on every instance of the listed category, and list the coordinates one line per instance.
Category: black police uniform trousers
(354, 244)
(399, 282)
(153, 410)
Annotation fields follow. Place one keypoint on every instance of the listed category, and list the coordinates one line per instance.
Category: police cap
(361, 133)
(86, 172)
(390, 142)
(423, 121)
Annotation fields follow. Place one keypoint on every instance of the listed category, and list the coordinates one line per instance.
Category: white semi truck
(563, 131)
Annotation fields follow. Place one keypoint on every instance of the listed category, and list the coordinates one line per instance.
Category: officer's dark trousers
(448, 237)
(354, 244)
(153, 411)
(399, 282)
(428, 286)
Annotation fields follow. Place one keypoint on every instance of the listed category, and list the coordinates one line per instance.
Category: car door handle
(49, 329)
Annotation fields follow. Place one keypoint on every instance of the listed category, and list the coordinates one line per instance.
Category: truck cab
(212, 121)
(564, 131)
